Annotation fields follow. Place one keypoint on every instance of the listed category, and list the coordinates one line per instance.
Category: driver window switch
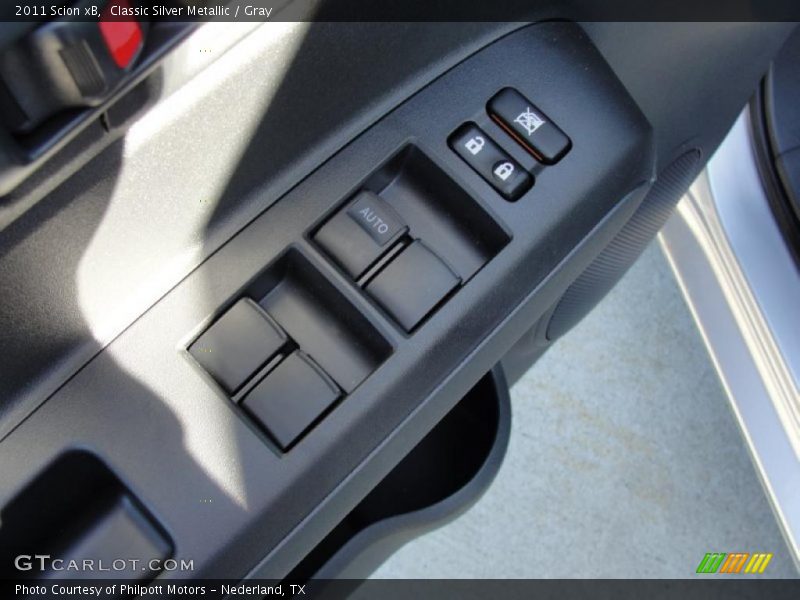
(490, 161)
(359, 234)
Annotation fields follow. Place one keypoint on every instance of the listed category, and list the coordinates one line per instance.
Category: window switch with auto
(358, 235)
(529, 126)
(411, 286)
(237, 344)
(490, 161)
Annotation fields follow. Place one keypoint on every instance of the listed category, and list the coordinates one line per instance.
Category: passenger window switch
(529, 126)
(490, 161)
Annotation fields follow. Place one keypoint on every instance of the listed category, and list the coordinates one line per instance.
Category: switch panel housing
(438, 235)
(301, 329)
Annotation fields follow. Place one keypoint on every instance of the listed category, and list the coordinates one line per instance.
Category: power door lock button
(490, 161)
(475, 144)
(503, 170)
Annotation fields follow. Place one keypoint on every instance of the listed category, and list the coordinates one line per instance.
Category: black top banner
(400, 10)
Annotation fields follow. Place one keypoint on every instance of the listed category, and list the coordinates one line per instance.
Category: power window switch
(237, 344)
(291, 398)
(490, 161)
(358, 235)
(413, 284)
(529, 126)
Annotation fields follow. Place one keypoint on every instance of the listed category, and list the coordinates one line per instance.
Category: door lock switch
(490, 161)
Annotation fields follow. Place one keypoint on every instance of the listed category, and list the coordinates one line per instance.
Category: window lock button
(529, 126)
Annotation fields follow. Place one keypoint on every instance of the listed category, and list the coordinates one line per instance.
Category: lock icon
(504, 170)
(475, 144)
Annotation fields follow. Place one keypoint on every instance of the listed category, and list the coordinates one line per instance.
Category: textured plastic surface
(121, 530)
(376, 218)
(782, 116)
(614, 261)
(442, 476)
(58, 81)
(69, 237)
(160, 416)
(788, 167)
(321, 320)
(782, 89)
(76, 509)
(439, 211)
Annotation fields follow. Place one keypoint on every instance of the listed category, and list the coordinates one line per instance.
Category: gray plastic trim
(370, 547)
